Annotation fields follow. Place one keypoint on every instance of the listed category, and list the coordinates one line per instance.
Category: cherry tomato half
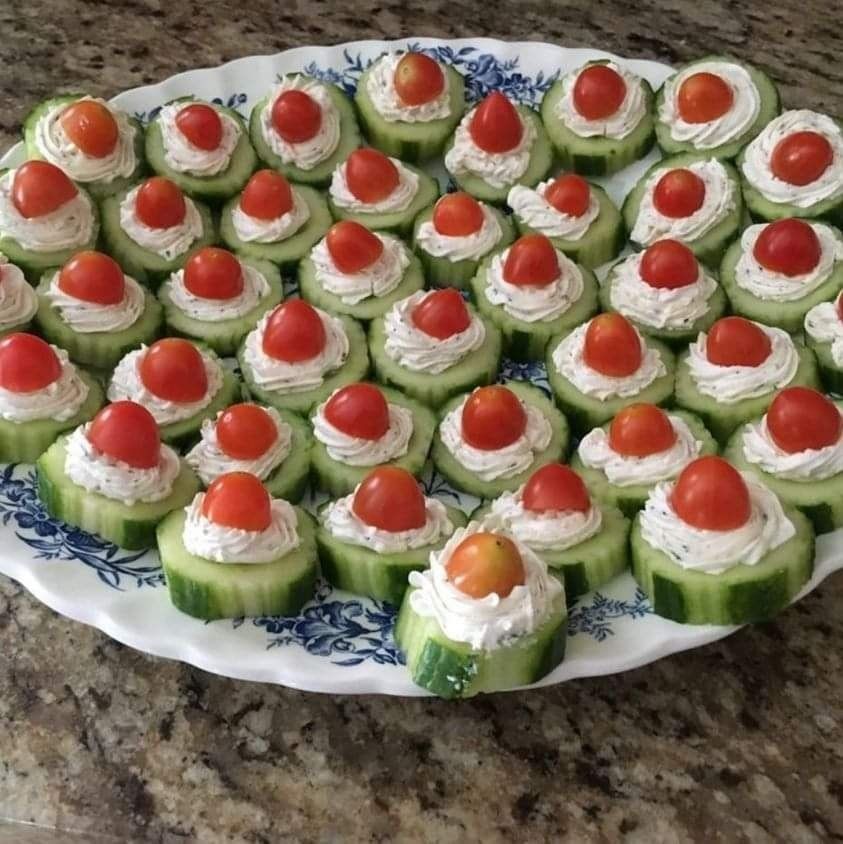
(370, 175)
(353, 247)
(710, 494)
(735, 341)
(598, 92)
(801, 158)
(267, 196)
(173, 370)
(790, 247)
(612, 345)
(493, 418)
(201, 125)
(668, 264)
(441, 314)
(570, 194)
(296, 116)
(496, 125)
(238, 500)
(555, 488)
(359, 410)
(484, 563)
(640, 430)
(213, 273)
(159, 203)
(127, 431)
(679, 193)
(91, 127)
(418, 79)
(704, 97)
(93, 277)
(294, 332)
(531, 261)
(390, 499)
(39, 188)
(27, 363)
(245, 431)
(800, 418)
(457, 215)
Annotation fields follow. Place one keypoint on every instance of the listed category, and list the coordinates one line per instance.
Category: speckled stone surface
(739, 741)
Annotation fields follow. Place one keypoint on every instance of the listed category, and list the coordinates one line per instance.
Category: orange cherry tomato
(640, 430)
(735, 341)
(801, 158)
(790, 247)
(710, 494)
(296, 116)
(570, 194)
(679, 193)
(668, 264)
(213, 273)
(704, 97)
(484, 563)
(359, 410)
(27, 363)
(496, 125)
(457, 215)
(493, 418)
(353, 247)
(245, 431)
(267, 196)
(531, 262)
(370, 175)
(201, 125)
(800, 418)
(38, 188)
(390, 499)
(127, 431)
(93, 277)
(91, 127)
(238, 500)
(159, 203)
(441, 314)
(556, 488)
(294, 332)
(418, 79)
(612, 345)
(173, 370)
(598, 92)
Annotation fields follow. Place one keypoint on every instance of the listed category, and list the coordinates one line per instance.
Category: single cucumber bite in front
(604, 365)
(95, 143)
(697, 201)
(794, 168)
(151, 228)
(179, 383)
(796, 449)
(94, 311)
(298, 355)
(731, 374)
(219, 298)
(717, 547)
(824, 335)
(453, 236)
(237, 551)
(497, 145)
(643, 445)
(714, 106)
(491, 440)
(44, 217)
(18, 301)
(433, 345)
(409, 104)
(362, 426)
(304, 128)
(778, 271)
(113, 477)
(665, 292)
(531, 291)
(599, 118)
(370, 540)
(42, 394)
(486, 616)
(358, 272)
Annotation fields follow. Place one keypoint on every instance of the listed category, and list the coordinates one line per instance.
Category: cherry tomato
(441, 314)
(267, 196)
(213, 273)
(704, 97)
(668, 264)
(800, 418)
(612, 345)
(238, 500)
(484, 563)
(710, 494)
(296, 116)
(790, 247)
(390, 499)
(555, 488)
(245, 431)
(735, 341)
(679, 193)
(570, 194)
(127, 431)
(294, 332)
(173, 370)
(353, 247)
(418, 79)
(496, 125)
(839, 307)
(27, 363)
(159, 203)
(201, 125)
(93, 277)
(598, 92)
(457, 215)
(640, 430)
(493, 418)
(359, 410)
(801, 158)
(531, 262)
(370, 175)
(38, 188)
(91, 127)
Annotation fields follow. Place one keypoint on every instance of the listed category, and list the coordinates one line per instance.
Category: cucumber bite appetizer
(358, 272)
(18, 301)
(497, 145)
(42, 394)
(370, 540)
(113, 477)
(409, 104)
(44, 217)
(453, 236)
(717, 547)
(776, 272)
(218, 298)
(714, 106)
(235, 550)
(599, 118)
(824, 335)
(731, 374)
(604, 365)
(486, 616)
(363, 425)
(491, 440)
(95, 143)
(94, 311)
(433, 345)
(304, 128)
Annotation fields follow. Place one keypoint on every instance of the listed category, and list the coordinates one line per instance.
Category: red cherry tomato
(245, 431)
(839, 307)
(159, 203)
(531, 262)
(570, 194)
(484, 563)
(353, 247)
(267, 196)
(296, 116)
(801, 158)
(213, 273)
(493, 418)
(790, 247)
(598, 92)
(91, 127)
(359, 410)
(27, 363)
(800, 418)
(201, 125)
(704, 97)
(441, 314)
(38, 188)
(710, 494)
(496, 125)
(555, 488)
(370, 175)
(668, 264)
(173, 370)
(238, 500)
(640, 430)
(126, 431)
(294, 332)
(679, 193)
(93, 277)
(418, 79)
(457, 215)
(390, 499)
(612, 345)
(735, 341)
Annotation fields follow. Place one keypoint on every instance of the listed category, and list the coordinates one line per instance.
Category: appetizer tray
(340, 643)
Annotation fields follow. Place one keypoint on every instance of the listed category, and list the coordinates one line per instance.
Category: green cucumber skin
(831, 375)
(291, 479)
(14, 329)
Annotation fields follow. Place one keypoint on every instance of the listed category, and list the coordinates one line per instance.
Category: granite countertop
(738, 741)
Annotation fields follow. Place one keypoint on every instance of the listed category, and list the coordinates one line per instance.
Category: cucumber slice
(320, 175)
(209, 590)
(831, 375)
(339, 479)
(742, 595)
(131, 527)
(13, 329)
(413, 142)
(460, 477)
(453, 670)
